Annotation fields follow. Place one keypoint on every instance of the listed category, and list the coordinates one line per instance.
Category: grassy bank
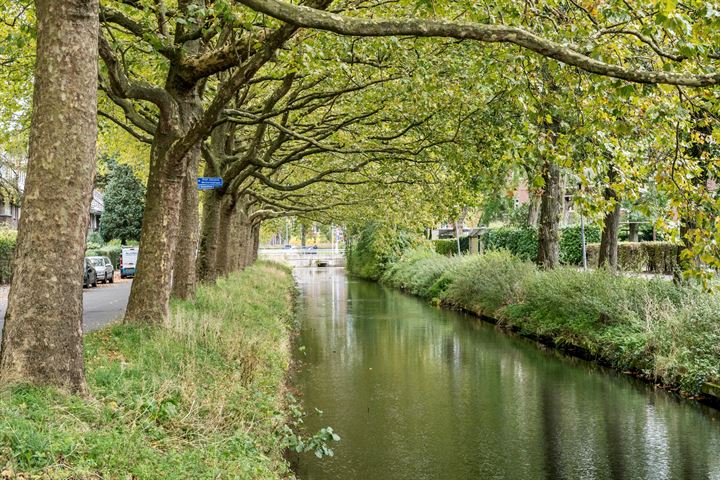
(666, 334)
(202, 399)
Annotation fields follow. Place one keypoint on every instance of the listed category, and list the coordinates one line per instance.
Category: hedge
(650, 257)
(8, 239)
(449, 247)
(523, 242)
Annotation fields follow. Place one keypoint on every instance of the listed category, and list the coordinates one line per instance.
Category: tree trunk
(227, 212)
(184, 273)
(611, 227)
(207, 256)
(150, 291)
(534, 209)
(608, 254)
(550, 208)
(634, 231)
(42, 338)
(149, 301)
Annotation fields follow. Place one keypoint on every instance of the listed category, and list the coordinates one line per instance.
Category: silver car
(104, 269)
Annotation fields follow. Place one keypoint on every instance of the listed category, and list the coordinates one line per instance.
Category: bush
(8, 240)
(485, 283)
(418, 270)
(571, 243)
(661, 257)
(652, 257)
(449, 247)
(376, 246)
(522, 242)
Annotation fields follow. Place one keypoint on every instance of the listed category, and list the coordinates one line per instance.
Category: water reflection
(422, 393)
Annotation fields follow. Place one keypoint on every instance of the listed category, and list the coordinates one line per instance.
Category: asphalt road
(101, 305)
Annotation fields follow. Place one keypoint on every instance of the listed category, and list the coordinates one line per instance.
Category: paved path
(101, 305)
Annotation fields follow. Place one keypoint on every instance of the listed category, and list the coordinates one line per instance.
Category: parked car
(128, 261)
(103, 268)
(89, 276)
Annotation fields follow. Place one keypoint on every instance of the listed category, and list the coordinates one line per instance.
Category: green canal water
(418, 392)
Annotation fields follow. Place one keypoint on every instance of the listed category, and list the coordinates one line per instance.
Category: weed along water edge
(418, 392)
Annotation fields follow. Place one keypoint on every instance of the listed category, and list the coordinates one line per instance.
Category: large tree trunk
(207, 256)
(227, 213)
(634, 231)
(42, 338)
(184, 272)
(611, 227)
(550, 208)
(150, 291)
(149, 301)
(608, 254)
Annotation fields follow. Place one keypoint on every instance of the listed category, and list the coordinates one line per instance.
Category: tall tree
(124, 202)
(42, 337)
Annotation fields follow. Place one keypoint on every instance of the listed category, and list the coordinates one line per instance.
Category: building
(97, 207)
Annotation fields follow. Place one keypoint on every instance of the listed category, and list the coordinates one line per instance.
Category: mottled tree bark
(184, 272)
(634, 230)
(150, 291)
(550, 208)
(608, 254)
(209, 233)
(149, 301)
(611, 225)
(227, 212)
(42, 337)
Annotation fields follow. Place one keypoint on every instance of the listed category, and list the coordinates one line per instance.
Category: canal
(418, 392)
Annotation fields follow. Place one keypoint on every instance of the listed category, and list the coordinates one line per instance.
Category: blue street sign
(209, 183)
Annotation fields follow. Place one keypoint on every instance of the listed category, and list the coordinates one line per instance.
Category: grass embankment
(201, 399)
(663, 333)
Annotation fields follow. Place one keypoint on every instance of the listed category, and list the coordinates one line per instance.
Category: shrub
(376, 246)
(661, 256)
(522, 242)
(418, 270)
(485, 283)
(449, 246)
(8, 240)
(571, 243)
(653, 257)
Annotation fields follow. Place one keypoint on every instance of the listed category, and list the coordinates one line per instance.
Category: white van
(128, 261)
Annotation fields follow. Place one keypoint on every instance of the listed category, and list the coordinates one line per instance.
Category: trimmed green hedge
(650, 257)
(449, 246)
(523, 242)
(8, 239)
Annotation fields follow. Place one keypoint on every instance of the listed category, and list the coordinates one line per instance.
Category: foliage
(485, 283)
(571, 243)
(522, 242)
(418, 270)
(450, 246)
(8, 238)
(651, 257)
(124, 200)
(376, 246)
(203, 398)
